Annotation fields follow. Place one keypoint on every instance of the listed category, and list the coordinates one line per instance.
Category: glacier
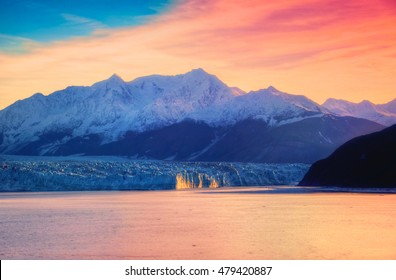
(27, 173)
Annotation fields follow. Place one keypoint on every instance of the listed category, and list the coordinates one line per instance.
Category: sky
(318, 48)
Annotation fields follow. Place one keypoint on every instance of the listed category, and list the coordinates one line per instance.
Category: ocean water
(226, 223)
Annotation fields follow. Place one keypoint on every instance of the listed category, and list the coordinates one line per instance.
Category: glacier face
(110, 108)
(112, 173)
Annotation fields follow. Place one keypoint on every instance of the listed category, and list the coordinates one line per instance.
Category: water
(234, 223)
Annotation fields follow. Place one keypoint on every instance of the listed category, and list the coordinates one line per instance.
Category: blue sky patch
(24, 21)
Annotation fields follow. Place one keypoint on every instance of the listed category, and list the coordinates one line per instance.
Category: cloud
(311, 47)
(74, 21)
(15, 44)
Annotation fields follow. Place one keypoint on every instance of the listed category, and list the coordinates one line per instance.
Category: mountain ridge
(141, 104)
(70, 120)
(381, 113)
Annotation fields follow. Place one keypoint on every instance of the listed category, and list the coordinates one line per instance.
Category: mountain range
(381, 113)
(193, 116)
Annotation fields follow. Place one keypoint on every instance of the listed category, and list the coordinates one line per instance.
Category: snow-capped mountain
(272, 106)
(112, 107)
(382, 113)
(184, 117)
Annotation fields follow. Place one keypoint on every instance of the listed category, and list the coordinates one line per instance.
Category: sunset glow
(322, 49)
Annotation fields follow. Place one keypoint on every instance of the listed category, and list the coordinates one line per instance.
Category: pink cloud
(246, 43)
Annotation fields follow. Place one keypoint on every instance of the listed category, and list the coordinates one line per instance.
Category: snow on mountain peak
(272, 89)
(365, 109)
(237, 91)
(114, 81)
(199, 76)
(198, 71)
(276, 96)
(112, 106)
(389, 107)
(115, 77)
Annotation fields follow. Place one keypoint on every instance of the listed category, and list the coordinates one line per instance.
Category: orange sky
(328, 48)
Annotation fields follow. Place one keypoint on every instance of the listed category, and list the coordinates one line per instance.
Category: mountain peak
(383, 114)
(37, 95)
(112, 107)
(329, 100)
(198, 73)
(333, 102)
(115, 77)
(271, 88)
(112, 82)
(366, 102)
